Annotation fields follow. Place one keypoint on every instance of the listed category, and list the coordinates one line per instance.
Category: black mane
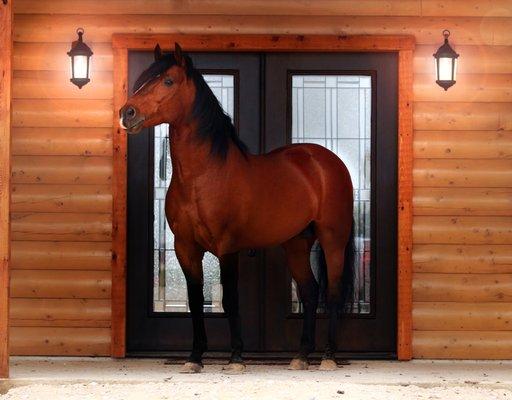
(213, 123)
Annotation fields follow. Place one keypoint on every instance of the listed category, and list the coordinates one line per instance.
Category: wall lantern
(446, 64)
(80, 55)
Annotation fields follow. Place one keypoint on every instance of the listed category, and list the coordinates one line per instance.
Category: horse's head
(163, 93)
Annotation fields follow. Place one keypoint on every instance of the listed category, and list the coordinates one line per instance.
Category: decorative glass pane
(335, 111)
(170, 287)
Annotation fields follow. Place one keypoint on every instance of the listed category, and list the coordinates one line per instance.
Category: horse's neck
(190, 156)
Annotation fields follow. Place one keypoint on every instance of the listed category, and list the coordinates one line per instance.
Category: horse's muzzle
(130, 119)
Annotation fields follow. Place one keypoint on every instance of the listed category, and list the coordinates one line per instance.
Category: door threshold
(214, 357)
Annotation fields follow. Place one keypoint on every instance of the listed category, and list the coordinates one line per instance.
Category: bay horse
(224, 200)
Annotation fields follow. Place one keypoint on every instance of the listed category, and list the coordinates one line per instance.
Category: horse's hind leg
(333, 243)
(190, 257)
(229, 280)
(298, 254)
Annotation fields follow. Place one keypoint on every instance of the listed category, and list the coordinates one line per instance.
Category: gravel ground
(86, 378)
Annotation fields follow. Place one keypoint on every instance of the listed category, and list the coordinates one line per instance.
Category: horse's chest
(193, 217)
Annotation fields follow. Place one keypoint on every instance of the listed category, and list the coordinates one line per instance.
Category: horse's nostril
(130, 112)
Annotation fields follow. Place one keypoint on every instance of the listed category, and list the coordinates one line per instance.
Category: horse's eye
(168, 82)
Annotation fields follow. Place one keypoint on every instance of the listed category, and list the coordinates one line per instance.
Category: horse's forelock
(154, 70)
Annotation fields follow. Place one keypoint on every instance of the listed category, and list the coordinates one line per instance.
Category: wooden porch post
(5, 174)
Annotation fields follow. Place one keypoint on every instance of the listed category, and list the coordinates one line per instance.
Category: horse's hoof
(191, 368)
(298, 365)
(234, 368)
(328, 365)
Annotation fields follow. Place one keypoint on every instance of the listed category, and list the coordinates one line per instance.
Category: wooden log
(61, 226)
(462, 288)
(62, 198)
(466, 8)
(60, 284)
(62, 141)
(462, 230)
(465, 259)
(62, 170)
(59, 312)
(462, 173)
(56, 28)
(463, 144)
(223, 7)
(436, 316)
(65, 113)
(482, 345)
(489, 88)
(462, 201)
(50, 341)
(6, 35)
(462, 116)
(61, 255)
(53, 57)
(477, 59)
(51, 85)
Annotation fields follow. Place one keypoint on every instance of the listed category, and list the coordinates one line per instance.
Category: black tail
(347, 280)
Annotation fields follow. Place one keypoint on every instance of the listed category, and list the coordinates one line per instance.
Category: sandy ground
(97, 378)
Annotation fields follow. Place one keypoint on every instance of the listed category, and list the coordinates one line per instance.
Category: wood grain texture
(62, 170)
(466, 259)
(61, 142)
(478, 59)
(463, 144)
(6, 18)
(404, 206)
(473, 8)
(65, 113)
(462, 288)
(462, 230)
(53, 57)
(462, 201)
(61, 198)
(467, 30)
(51, 85)
(493, 173)
(435, 316)
(477, 345)
(52, 341)
(60, 284)
(61, 255)
(119, 204)
(473, 87)
(462, 116)
(72, 227)
(223, 7)
(60, 312)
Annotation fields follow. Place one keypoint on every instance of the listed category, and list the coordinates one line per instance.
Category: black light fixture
(80, 55)
(446, 64)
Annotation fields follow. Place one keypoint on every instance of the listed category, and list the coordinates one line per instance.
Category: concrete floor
(103, 378)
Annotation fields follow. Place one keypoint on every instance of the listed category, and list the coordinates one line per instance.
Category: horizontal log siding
(62, 165)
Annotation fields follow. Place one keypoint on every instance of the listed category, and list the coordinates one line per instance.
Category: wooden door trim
(6, 18)
(401, 44)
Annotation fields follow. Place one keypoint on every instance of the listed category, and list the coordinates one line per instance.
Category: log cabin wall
(62, 161)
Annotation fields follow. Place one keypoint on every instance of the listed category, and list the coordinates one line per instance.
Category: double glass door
(345, 102)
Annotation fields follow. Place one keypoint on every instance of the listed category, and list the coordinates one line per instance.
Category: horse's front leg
(229, 280)
(190, 256)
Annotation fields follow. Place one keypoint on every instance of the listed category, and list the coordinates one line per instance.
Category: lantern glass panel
(444, 69)
(80, 67)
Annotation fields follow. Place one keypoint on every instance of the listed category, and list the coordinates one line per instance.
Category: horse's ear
(158, 52)
(178, 55)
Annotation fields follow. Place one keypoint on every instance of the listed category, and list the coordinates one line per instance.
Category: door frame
(403, 45)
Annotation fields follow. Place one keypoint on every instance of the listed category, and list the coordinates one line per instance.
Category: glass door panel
(169, 285)
(335, 111)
